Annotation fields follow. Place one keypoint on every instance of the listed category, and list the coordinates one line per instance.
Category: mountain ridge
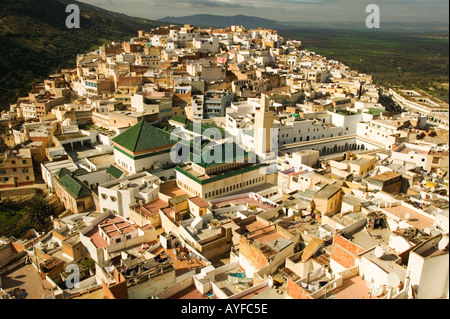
(34, 40)
(252, 22)
(219, 21)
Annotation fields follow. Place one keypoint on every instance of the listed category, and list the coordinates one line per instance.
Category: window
(2, 172)
(24, 161)
(435, 161)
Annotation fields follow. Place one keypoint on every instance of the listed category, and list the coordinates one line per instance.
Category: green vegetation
(17, 218)
(35, 42)
(38, 212)
(394, 59)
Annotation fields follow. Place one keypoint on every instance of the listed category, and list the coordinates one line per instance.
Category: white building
(120, 194)
(428, 269)
(412, 155)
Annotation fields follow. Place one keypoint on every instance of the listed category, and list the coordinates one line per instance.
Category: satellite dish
(393, 280)
(379, 252)
(443, 243)
(407, 216)
(376, 290)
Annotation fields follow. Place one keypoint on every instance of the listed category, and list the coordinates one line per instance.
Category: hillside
(34, 40)
(394, 59)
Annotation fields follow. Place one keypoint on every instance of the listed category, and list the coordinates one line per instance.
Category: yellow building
(328, 199)
(16, 168)
(75, 196)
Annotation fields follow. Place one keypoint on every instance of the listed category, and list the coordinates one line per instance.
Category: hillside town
(192, 163)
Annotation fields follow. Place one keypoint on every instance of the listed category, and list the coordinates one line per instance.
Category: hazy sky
(285, 10)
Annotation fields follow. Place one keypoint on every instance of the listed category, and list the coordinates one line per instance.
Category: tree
(38, 212)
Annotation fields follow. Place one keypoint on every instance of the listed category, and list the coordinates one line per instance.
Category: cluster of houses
(230, 164)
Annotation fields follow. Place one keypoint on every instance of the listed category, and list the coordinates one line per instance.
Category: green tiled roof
(207, 156)
(375, 111)
(142, 137)
(190, 125)
(74, 186)
(63, 171)
(180, 119)
(204, 127)
(79, 171)
(115, 172)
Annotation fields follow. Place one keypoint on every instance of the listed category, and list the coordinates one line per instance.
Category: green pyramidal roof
(77, 188)
(143, 136)
(115, 172)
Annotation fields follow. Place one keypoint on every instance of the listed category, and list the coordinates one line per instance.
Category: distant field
(394, 59)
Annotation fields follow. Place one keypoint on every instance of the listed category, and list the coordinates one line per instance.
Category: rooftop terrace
(414, 219)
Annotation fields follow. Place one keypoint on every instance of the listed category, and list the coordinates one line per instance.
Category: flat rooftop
(221, 281)
(152, 208)
(267, 239)
(189, 169)
(173, 191)
(26, 278)
(348, 218)
(388, 262)
(102, 159)
(183, 260)
(370, 238)
(97, 293)
(205, 233)
(71, 136)
(189, 293)
(53, 167)
(407, 149)
(386, 176)
(421, 97)
(353, 287)
(415, 219)
(244, 200)
(264, 293)
(20, 153)
(132, 183)
(96, 238)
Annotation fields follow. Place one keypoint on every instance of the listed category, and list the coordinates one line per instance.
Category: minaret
(263, 128)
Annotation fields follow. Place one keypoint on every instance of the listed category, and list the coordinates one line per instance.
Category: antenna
(379, 252)
(376, 290)
(443, 242)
